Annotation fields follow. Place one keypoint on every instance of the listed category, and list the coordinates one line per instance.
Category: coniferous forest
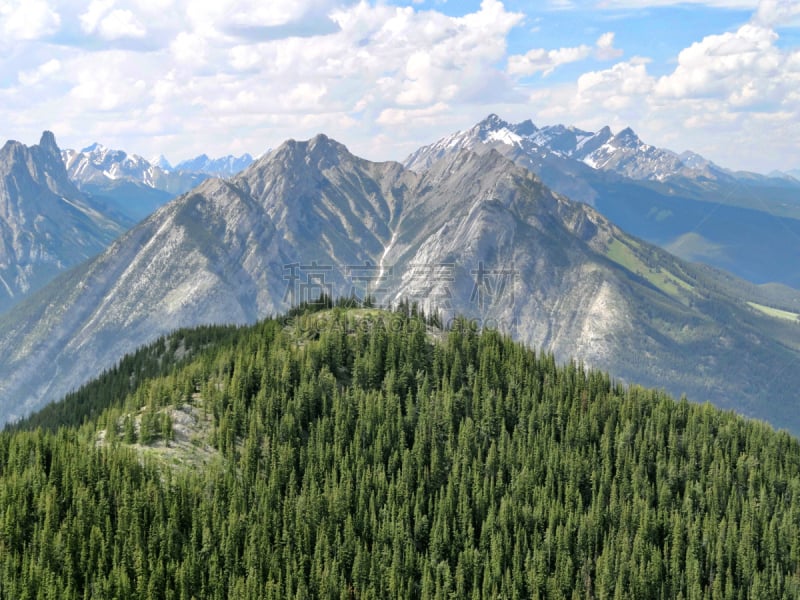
(358, 453)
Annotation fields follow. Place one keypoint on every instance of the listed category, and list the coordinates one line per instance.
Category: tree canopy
(358, 453)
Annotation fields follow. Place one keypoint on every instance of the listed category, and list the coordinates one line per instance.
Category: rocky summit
(46, 224)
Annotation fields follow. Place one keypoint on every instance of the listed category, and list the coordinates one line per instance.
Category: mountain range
(469, 231)
(225, 166)
(128, 182)
(742, 222)
(46, 224)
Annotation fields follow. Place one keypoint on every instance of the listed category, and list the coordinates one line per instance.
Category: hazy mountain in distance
(225, 166)
(161, 162)
(743, 222)
(473, 234)
(128, 182)
(46, 224)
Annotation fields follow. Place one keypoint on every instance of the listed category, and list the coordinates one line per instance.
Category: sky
(185, 77)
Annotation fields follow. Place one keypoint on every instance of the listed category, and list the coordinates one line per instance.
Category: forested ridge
(368, 454)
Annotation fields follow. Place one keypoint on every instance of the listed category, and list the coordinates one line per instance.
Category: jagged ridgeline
(357, 453)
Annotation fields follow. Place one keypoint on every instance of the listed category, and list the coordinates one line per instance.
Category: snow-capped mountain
(225, 166)
(738, 221)
(623, 153)
(46, 224)
(96, 163)
(129, 182)
(473, 234)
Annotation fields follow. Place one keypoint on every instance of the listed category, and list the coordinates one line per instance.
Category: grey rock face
(46, 224)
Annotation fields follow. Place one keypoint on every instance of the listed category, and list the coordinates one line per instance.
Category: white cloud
(737, 4)
(740, 68)
(245, 74)
(121, 24)
(28, 19)
(97, 9)
(397, 116)
(605, 47)
(624, 86)
(380, 66)
(544, 61)
(111, 23)
(189, 48)
(540, 60)
(733, 96)
(773, 13)
(42, 72)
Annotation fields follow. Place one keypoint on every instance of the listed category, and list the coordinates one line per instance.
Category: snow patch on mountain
(624, 153)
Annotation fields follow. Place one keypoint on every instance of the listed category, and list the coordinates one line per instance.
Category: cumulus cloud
(540, 60)
(544, 61)
(740, 68)
(773, 13)
(120, 24)
(377, 65)
(111, 23)
(725, 92)
(242, 74)
(28, 19)
(42, 72)
(605, 47)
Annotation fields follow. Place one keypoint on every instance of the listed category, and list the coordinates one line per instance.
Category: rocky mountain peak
(605, 132)
(322, 143)
(526, 128)
(627, 137)
(48, 143)
(320, 151)
(492, 123)
(93, 147)
(161, 162)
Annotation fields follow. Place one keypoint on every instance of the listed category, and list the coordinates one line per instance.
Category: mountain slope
(348, 454)
(473, 234)
(46, 224)
(741, 222)
(128, 182)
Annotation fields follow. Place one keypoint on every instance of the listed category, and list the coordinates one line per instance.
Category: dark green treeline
(357, 458)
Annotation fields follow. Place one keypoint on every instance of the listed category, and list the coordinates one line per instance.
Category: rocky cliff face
(473, 234)
(46, 224)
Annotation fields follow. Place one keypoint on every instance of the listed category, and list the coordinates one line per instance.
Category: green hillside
(357, 453)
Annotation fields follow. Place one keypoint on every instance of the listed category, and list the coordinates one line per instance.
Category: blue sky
(181, 77)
